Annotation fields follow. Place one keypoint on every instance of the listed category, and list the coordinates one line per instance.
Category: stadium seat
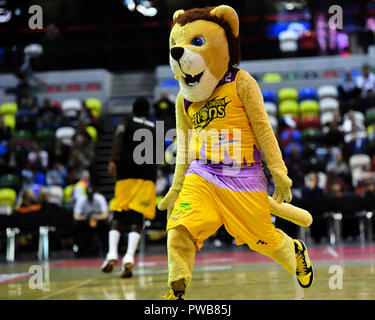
(308, 42)
(22, 137)
(65, 134)
(274, 123)
(309, 107)
(307, 94)
(370, 116)
(46, 138)
(71, 107)
(288, 107)
(8, 108)
(10, 181)
(289, 76)
(7, 200)
(327, 91)
(271, 77)
(288, 94)
(68, 192)
(358, 116)
(94, 105)
(288, 41)
(269, 95)
(10, 121)
(271, 108)
(288, 149)
(56, 195)
(310, 75)
(310, 122)
(8, 196)
(92, 133)
(370, 130)
(328, 104)
(311, 135)
(330, 74)
(288, 136)
(326, 118)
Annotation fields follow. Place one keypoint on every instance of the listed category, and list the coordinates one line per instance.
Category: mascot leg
(181, 255)
(284, 254)
(292, 255)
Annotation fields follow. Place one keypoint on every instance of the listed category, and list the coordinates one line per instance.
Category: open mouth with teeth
(192, 81)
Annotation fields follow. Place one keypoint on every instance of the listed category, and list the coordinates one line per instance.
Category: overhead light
(5, 15)
(151, 12)
(144, 7)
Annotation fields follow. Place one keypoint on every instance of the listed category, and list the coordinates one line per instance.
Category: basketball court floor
(341, 272)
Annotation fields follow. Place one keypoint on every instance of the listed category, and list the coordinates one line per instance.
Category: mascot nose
(177, 53)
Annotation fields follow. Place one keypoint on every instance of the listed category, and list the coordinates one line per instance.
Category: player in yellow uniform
(135, 190)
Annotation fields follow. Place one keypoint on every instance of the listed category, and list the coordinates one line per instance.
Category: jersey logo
(213, 109)
(261, 242)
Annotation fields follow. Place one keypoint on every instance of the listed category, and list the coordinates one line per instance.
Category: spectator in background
(38, 158)
(366, 84)
(53, 47)
(348, 92)
(366, 188)
(351, 123)
(339, 167)
(164, 109)
(85, 117)
(27, 203)
(295, 166)
(80, 187)
(16, 157)
(347, 87)
(312, 189)
(5, 131)
(355, 140)
(25, 98)
(90, 214)
(367, 173)
(337, 188)
(48, 116)
(332, 135)
(161, 183)
(56, 176)
(61, 152)
(79, 160)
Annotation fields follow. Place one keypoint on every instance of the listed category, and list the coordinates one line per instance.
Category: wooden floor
(227, 275)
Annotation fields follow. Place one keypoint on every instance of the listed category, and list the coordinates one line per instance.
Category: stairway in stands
(101, 179)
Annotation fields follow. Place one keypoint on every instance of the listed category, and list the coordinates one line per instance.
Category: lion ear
(177, 13)
(229, 15)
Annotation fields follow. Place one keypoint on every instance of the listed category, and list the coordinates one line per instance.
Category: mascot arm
(183, 124)
(252, 99)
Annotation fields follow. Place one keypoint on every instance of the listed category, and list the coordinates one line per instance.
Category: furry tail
(291, 213)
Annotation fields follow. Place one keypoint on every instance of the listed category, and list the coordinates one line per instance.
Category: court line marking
(333, 252)
(66, 289)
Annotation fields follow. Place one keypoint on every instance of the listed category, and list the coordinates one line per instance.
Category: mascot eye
(198, 41)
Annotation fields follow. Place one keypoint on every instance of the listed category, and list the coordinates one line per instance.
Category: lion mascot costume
(222, 128)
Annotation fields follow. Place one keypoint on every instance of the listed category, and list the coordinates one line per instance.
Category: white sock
(113, 240)
(133, 240)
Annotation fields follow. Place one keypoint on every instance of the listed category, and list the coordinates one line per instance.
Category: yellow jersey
(222, 133)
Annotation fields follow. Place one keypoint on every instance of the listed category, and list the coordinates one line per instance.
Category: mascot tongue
(191, 81)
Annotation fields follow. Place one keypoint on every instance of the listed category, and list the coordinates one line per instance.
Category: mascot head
(204, 43)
